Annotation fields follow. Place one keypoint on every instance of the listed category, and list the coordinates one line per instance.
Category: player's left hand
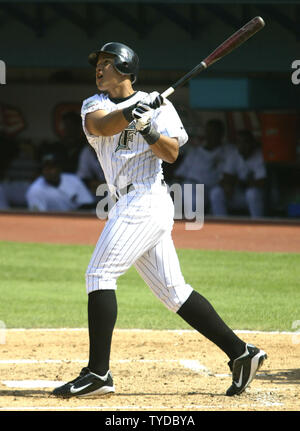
(154, 100)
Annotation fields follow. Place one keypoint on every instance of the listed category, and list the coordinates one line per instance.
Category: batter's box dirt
(152, 370)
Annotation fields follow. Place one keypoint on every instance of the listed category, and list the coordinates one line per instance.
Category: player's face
(107, 77)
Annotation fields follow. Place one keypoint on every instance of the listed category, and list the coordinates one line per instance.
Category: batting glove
(154, 100)
(127, 112)
(142, 114)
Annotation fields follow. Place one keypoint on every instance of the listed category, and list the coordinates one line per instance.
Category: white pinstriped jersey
(126, 158)
(139, 225)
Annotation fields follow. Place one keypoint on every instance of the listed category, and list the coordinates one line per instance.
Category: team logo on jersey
(126, 137)
(90, 104)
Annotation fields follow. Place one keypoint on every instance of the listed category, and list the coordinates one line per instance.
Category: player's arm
(103, 123)
(166, 148)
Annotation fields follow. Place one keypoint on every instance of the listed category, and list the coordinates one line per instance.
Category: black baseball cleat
(244, 369)
(86, 384)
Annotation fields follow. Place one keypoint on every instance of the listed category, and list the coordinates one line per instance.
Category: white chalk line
(175, 331)
(193, 365)
(38, 361)
(32, 384)
(79, 361)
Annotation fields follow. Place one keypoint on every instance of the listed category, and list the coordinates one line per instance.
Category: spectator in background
(20, 170)
(55, 190)
(203, 163)
(242, 183)
(70, 145)
(89, 169)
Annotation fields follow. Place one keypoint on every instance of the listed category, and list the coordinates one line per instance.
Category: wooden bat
(234, 41)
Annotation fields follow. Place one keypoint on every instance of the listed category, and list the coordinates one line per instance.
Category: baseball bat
(233, 42)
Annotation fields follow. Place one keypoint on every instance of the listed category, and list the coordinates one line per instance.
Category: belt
(124, 190)
(130, 188)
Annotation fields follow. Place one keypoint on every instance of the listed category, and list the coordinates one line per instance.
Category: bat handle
(168, 92)
(201, 66)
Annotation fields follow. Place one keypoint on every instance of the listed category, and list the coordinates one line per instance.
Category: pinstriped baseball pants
(138, 232)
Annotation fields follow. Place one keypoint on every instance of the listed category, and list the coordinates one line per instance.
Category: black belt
(124, 190)
(130, 188)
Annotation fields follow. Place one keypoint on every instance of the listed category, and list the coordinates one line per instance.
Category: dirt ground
(152, 370)
(212, 236)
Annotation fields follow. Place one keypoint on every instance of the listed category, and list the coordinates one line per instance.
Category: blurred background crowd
(242, 116)
(236, 177)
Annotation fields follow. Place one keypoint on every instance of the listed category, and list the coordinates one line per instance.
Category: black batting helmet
(126, 60)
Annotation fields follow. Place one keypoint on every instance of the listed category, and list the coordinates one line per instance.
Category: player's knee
(174, 296)
(99, 281)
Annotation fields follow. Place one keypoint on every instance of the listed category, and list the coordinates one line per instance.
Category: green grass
(43, 285)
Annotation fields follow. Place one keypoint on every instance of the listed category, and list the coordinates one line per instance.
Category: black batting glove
(127, 112)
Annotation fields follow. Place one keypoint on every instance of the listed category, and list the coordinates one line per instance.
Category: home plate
(31, 383)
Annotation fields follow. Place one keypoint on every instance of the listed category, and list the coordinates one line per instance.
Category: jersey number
(126, 137)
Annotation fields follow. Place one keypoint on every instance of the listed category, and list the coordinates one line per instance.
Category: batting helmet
(126, 61)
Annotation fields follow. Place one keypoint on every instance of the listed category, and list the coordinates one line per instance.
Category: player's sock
(200, 314)
(102, 316)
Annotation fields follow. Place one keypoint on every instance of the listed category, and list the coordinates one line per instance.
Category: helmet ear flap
(124, 68)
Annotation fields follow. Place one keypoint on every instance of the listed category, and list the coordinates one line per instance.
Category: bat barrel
(235, 40)
(225, 48)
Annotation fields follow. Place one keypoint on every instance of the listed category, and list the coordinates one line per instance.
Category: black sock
(200, 314)
(102, 316)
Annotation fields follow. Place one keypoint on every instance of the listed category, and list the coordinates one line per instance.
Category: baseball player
(132, 132)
